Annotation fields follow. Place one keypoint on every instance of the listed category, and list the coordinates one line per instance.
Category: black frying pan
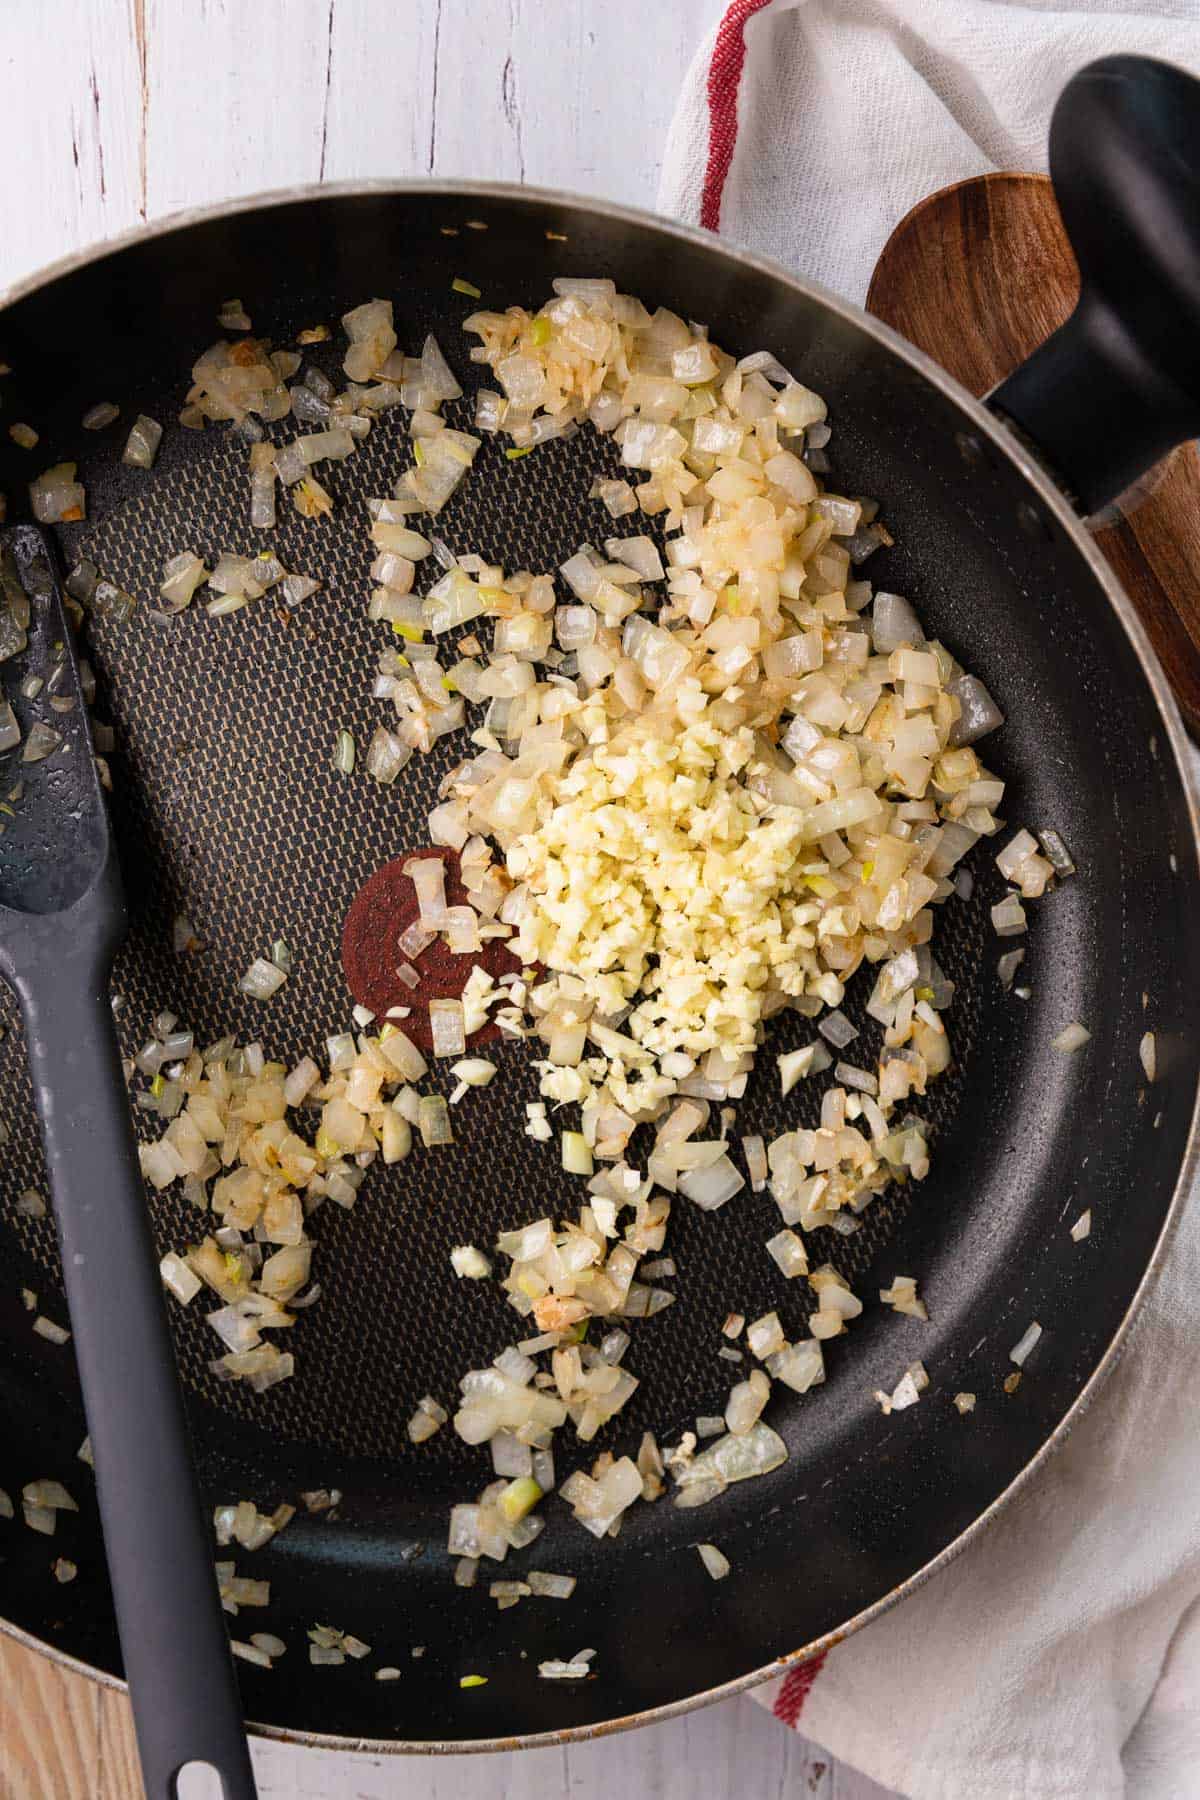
(226, 807)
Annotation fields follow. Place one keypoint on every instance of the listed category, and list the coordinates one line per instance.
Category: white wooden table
(117, 114)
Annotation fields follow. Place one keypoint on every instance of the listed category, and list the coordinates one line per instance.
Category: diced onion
(434, 1122)
(787, 1250)
(1008, 917)
(716, 1564)
(141, 446)
(48, 1494)
(576, 1156)
(476, 1071)
(979, 713)
(755, 1153)
(1007, 966)
(710, 1187)
(56, 495)
(42, 742)
(902, 1295)
(446, 1027)
(466, 1260)
(729, 1460)
(551, 1587)
(799, 1366)
(262, 979)
(182, 1280)
(182, 575)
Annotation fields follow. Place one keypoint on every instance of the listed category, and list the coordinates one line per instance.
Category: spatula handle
(1118, 385)
(160, 1556)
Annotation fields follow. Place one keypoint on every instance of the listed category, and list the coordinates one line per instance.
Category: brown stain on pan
(382, 910)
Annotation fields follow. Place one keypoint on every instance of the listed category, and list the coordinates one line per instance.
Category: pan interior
(227, 808)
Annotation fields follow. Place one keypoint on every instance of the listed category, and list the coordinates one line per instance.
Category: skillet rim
(1056, 504)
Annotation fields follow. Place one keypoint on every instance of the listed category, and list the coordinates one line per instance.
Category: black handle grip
(1118, 385)
(160, 1555)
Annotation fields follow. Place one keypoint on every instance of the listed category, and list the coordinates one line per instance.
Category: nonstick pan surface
(227, 808)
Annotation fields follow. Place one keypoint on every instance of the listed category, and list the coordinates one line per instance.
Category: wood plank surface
(126, 110)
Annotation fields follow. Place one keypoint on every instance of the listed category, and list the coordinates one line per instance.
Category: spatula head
(55, 839)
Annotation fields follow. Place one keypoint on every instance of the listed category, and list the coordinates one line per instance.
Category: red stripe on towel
(724, 79)
(797, 1685)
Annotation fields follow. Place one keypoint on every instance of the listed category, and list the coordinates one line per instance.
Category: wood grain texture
(132, 109)
(977, 276)
(61, 1737)
(124, 112)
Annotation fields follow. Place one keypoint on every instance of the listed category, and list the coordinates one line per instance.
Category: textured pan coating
(226, 728)
(227, 807)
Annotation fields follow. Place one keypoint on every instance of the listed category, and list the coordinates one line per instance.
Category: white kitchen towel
(1058, 1658)
(807, 128)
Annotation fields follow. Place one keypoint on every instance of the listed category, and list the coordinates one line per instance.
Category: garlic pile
(729, 785)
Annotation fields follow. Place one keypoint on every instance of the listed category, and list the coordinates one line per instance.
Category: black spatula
(62, 915)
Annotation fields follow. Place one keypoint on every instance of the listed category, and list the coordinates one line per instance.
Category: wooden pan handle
(978, 276)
